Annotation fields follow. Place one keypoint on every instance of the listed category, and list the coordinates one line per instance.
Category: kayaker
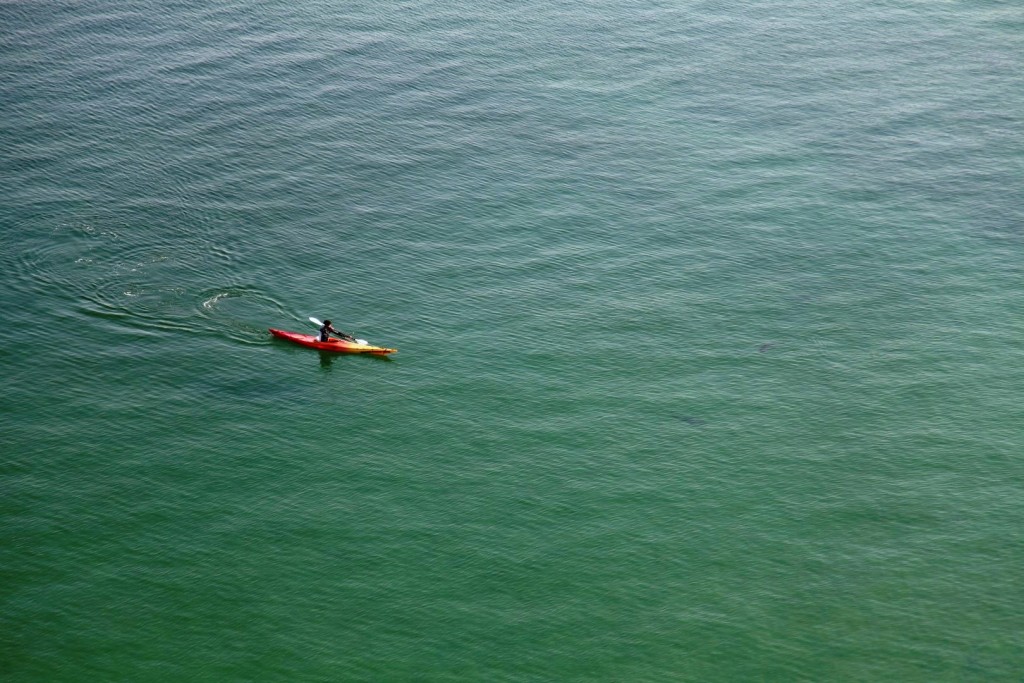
(327, 328)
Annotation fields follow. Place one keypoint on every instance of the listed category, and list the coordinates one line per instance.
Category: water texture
(708, 321)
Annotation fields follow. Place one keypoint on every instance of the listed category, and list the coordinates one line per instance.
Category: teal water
(709, 322)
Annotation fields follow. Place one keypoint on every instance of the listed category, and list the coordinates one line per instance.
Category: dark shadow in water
(327, 358)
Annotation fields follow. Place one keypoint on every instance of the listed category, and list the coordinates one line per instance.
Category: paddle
(320, 324)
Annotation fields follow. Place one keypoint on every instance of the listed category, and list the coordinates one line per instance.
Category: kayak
(336, 345)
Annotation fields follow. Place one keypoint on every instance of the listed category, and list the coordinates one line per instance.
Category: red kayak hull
(334, 345)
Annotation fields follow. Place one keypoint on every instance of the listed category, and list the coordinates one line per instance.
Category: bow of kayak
(334, 345)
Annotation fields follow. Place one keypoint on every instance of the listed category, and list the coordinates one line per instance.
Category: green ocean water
(709, 328)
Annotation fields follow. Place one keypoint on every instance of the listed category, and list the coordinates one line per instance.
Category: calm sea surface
(710, 322)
